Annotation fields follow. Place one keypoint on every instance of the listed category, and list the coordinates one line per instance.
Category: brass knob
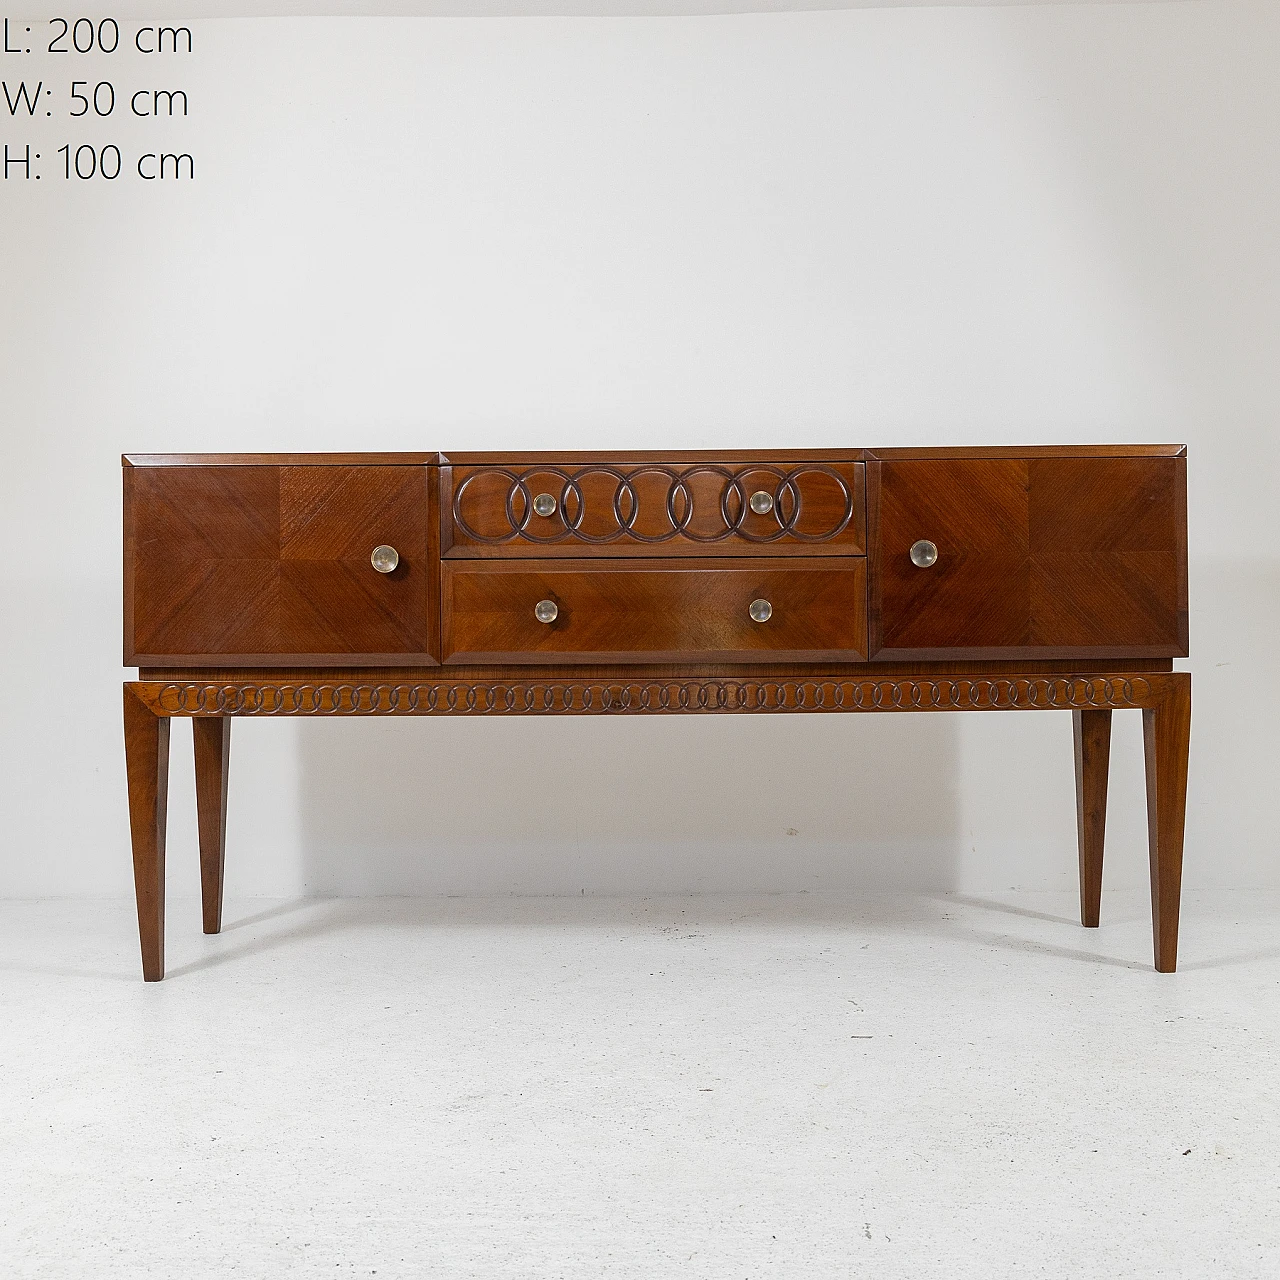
(760, 611)
(924, 553)
(384, 558)
(761, 502)
(544, 504)
(546, 611)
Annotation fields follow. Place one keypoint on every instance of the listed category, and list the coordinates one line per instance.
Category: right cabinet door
(1048, 557)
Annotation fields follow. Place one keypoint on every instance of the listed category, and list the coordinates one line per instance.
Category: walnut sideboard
(663, 583)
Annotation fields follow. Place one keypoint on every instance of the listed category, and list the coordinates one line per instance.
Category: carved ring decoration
(734, 504)
(654, 695)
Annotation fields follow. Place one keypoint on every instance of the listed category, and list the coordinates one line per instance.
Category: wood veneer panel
(977, 596)
(1108, 553)
(262, 564)
(636, 610)
(1037, 557)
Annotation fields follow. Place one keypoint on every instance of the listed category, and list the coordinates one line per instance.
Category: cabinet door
(1040, 557)
(263, 565)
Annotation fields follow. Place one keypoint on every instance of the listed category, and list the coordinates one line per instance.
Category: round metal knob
(761, 502)
(384, 558)
(924, 553)
(544, 504)
(760, 611)
(546, 611)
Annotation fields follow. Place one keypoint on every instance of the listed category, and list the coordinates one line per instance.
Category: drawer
(653, 509)
(263, 565)
(1036, 557)
(629, 610)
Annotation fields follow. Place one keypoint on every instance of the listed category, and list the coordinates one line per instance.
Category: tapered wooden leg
(213, 746)
(1092, 730)
(146, 749)
(1166, 735)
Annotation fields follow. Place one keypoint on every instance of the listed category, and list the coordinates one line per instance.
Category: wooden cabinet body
(848, 580)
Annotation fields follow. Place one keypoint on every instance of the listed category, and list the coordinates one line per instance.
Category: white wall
(917, 226)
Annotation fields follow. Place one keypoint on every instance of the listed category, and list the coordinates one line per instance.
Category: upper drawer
(653, 509)
(1028, 557)
(264, 565)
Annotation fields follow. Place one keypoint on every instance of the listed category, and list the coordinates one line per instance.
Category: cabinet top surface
(623, 456)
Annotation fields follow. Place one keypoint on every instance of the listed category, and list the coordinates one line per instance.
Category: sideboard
(657, 583)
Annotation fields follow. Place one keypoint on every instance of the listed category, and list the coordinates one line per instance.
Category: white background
(876, 227)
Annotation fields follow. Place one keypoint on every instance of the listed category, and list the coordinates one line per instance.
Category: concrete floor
(732, 1088)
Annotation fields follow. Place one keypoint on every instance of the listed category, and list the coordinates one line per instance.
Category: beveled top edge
(629, 456)
(279, 459)
(606, 456)
(1033, 451)
(560, 457)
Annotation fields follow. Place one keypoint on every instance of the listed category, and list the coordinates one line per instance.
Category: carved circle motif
(735, 506)
(551, 697)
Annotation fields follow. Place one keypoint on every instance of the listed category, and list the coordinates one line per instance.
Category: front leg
(1166, 735)
(146, 749)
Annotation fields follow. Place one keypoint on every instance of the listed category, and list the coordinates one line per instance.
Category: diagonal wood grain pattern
(978, 593)
(1058, 554)
(1068, 554)
(251, 560)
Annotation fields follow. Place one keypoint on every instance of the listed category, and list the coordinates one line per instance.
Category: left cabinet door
(234, 565)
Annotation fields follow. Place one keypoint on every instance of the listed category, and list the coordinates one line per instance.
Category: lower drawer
(588, 611)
